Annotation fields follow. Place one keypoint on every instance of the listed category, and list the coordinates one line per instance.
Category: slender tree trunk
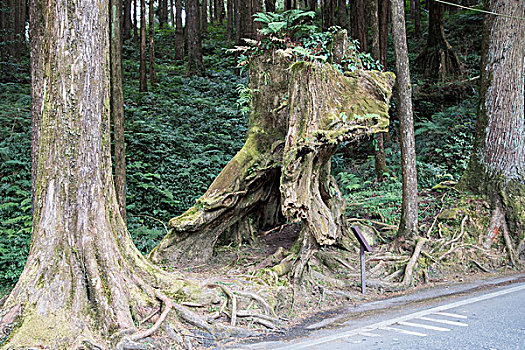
(408, 227)
(126, 26)
(142, 69)
(211, 14)
(204, 9)
(359, 25)
(230, 20)
(342, 19)
(163, 12)
(373, 19)
(384, 6)
(497, 164)
(237, 20)
(172, 12)
(179, 31)
(312, 5)
(84, 280)
(195, 65)
(135, 21)
(245, 19)
(287, 5)
(117, 106)
(151, 37)
(257, 6)
(415, 14)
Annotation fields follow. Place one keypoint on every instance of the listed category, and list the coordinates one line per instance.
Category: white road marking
(450, 315)
(404, 331)
(368, 334)
(452, 323)
(311, 342)
(426, 326)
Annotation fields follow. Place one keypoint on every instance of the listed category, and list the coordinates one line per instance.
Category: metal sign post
(365, 247)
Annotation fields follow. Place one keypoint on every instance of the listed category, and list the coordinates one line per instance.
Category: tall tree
(328, 13)
(143, 84)
(151, 40)
(384, 6)
(179, 31)
(438, 58)
(126, 20)
(163, 12)
(408, 226)
(135, 21)
(497, 164)
(415, 14)
(117, 105)
(373, 18)
(84, 280)
(204, 10)
(193, 32)
(359, 23)
(341, 19)
(230, 20)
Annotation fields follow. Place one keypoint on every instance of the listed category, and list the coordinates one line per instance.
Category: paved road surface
(493, 319)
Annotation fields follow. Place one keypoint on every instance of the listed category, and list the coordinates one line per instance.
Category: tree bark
(142, 68)
(117, 105)
(384, 6)
(415, 14)
(438, 59)
(497, 164)
(284, 166)
(373, 18)
(151, 39)
(342, 16)
(359, 23)
(270, 5)
(126, 25)
(135, 21)
(179, 31)
(408, 226)
(328, 13)
(204, 10)
(84, 280)
(230, 21)
(38, 53)
(193, 30)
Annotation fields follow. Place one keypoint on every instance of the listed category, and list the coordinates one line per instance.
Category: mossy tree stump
(300, 113)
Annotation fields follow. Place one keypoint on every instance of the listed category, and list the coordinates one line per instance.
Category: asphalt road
(487, 319)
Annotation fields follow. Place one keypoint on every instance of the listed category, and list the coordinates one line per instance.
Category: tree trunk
(135, 21)
(193, 30)
(142, 68)
(245, 20)
(497, 164)
(408, 226)
(126, 25)
(384, 6)
(415, 14)
(328, 13)
(38, 53)
(84, 280)
(373, 19)
(117, 106)
(284, 166)
(257, 6)
(172, 12)
(342, 20)
(359, 25)
(151, 39)
(230, 21)
(438, 59)
(270, 5)
(287, 5)
(179, 31)
(204, 10)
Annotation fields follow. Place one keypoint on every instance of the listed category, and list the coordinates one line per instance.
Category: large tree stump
(300, 113)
